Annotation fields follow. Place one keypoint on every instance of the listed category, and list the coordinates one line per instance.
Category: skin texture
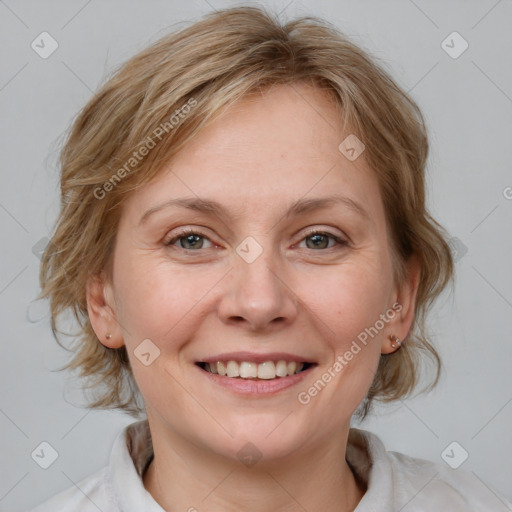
(256, 159)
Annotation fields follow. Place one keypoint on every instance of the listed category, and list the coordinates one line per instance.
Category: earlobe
(392, 344)
(102, 313)
(406, 294)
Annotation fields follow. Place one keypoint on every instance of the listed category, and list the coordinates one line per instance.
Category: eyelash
(188, 232)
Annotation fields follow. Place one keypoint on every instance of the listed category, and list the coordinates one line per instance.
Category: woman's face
(252, 283)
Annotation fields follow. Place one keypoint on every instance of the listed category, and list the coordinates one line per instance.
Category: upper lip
(254, 357)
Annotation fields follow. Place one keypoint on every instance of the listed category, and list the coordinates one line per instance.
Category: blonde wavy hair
(211, 64)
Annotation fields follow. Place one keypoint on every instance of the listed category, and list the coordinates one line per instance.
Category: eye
(189, 240)
(319, 239)
(194, 240)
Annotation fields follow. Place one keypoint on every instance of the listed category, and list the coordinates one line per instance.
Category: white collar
(133, 450)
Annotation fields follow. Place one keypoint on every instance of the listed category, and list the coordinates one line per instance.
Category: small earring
(395, 341)
(108, 336)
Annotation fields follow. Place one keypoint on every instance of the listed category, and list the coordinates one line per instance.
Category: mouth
(250, 370)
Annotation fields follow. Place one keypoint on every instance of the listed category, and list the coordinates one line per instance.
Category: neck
(184, 477)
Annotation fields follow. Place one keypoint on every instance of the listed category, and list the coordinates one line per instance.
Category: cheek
(162, 302)
(357, 308)
(350, 308)
(152, 297)
(356, 294)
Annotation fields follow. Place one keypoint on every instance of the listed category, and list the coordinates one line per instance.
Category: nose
(258, 295)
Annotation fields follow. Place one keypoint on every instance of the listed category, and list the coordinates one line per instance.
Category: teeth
(221, 369)
(266, 370)
(249, 370)
(281, 369)
(233, 369)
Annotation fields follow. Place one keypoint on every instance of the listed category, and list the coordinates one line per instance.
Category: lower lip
(257, 387)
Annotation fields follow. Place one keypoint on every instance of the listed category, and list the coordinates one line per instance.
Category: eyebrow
(299, 207)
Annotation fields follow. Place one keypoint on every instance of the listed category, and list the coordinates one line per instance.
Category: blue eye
(194, 240)
(189, 237)
(320, 237)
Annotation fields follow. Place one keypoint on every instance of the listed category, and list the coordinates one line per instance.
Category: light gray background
(468, 106)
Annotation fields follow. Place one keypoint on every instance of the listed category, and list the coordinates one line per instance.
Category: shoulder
(428, 484)
(419, 485)
(88, 495)
(118, 485)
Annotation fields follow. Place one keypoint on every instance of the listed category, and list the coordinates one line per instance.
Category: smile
(266, 370)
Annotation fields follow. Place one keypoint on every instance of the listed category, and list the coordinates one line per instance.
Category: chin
(263, 437)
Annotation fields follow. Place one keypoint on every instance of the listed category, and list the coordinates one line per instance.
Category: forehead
(264, 151)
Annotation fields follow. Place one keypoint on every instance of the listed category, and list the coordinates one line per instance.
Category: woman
(245, 244)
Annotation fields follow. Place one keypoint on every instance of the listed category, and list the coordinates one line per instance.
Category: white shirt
(395, 482)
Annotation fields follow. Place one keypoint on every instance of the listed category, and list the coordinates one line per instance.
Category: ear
(102, 311)
(404, 305)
